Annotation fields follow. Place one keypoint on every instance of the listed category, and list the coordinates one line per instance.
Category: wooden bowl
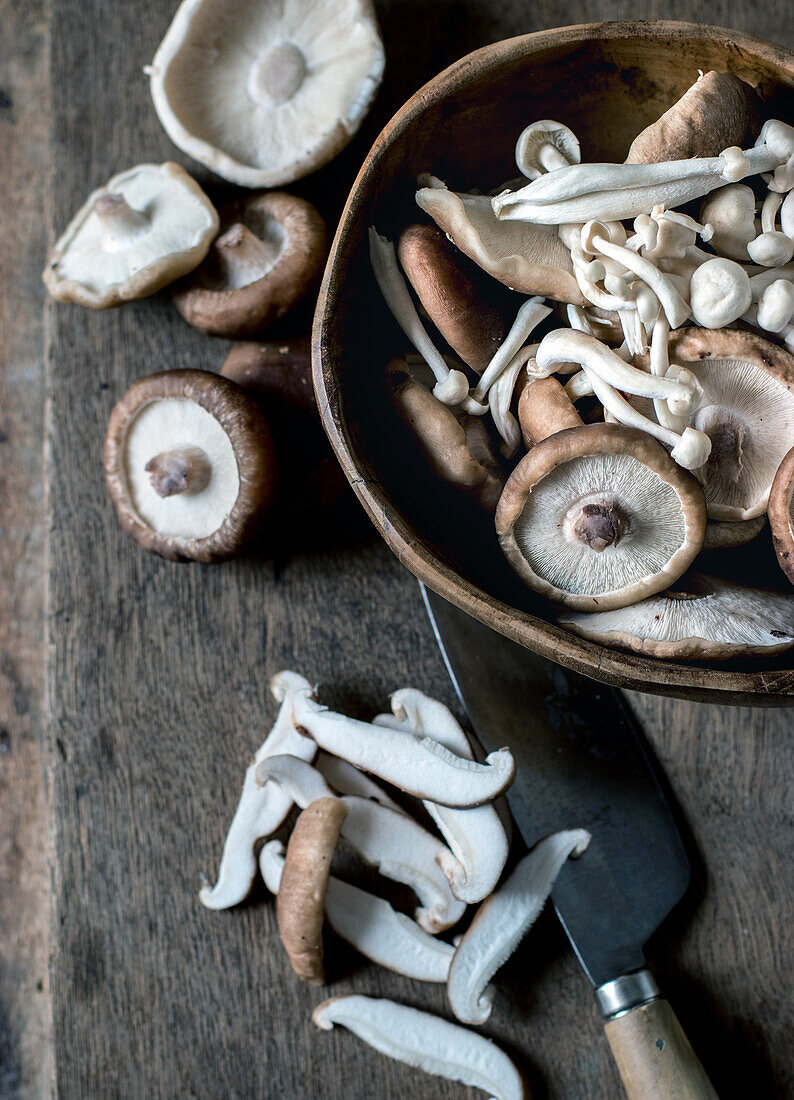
(607, 81)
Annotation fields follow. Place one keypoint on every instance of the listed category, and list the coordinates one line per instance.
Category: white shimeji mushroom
(476, 837)
(261, 809)
(719, 293)
(426, 1041)
(391, 840)
(544, 146)
(145, 228)
(452, 386)
(371, 925)
(529, 316)
(703, 618)
(263, 94)
(776, 306)
(503, 920)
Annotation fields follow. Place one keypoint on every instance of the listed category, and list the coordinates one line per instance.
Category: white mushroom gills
(426, 1041)
(503, 921)
(371, 925)
(476, 837)
(261, 810)
(544, 146)
(452, 386)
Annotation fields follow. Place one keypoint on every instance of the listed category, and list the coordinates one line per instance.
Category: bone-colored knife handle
(654, 1056)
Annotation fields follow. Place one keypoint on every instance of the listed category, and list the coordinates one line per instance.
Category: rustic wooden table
(120, 764)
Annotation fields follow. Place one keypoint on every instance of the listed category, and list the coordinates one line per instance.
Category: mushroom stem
(529, 316)
(660, 364)
(452, 386)
(769, 209)
(120, 223)
(243, 257)
(182, 470)
(276, 77)
(500, 398)
(596, 523)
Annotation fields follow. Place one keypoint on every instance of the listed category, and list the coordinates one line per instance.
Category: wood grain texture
(158, 673)
(25, 1019)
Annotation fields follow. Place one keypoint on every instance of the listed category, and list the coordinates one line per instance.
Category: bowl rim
(612, 666)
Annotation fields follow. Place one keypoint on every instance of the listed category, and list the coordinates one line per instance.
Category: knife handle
(654, 1056)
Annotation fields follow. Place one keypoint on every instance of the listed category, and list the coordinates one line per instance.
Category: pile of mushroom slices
(653, 425)
(321, 762)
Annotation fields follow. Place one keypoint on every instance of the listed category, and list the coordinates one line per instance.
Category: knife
(580, 763)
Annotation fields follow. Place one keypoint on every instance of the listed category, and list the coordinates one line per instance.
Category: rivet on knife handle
(653, 1055)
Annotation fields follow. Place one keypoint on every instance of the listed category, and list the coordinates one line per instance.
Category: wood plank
(158, 694)
(25, 1013)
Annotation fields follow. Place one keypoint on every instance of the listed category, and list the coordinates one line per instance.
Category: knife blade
(580, 763)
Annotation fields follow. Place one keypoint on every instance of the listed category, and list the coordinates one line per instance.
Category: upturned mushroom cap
(459, 308)
(703, 618)
(723, 535)
(747, 410)
(304, 882)
(143, 229)
(270, 252)
(781, 514)
(189, 465)
(528, 258)
(462, 458)
(718, 111)
(544, 146)
(263, 94)
(599, 517)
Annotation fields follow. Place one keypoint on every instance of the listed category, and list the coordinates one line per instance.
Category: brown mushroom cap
(300, 901)
(456, 304)
(274, 370)
(700, 618)
(270, 252)
(545, 408)
(459, 457)
(719, 110)
(185, 449)
(781, 514)
(600, 516)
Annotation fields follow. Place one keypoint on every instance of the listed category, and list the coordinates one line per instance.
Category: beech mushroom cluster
(675, 273)
(321, 762)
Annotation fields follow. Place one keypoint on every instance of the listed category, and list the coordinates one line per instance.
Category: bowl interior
(607, 82)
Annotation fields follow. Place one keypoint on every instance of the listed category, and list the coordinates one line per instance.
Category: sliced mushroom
(723, 535)
(746, 408)
(503, 921)
(304, 882)
(701, 618)
(389, 839)
(346, 779)
(417, 765)
(459, 307)
(261, 809)
(529, 259)
(425, 1041)
(599, 517)
(455, 443)
(270, 252)
(265, 94)
(544, 146)
(145, 228)
(730, 210)
(781, 514)
(717, 111)
(190, 465)
(369, 923)
(476, 837)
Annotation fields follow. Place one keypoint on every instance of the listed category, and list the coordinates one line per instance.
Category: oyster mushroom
(530, 259)
(270, 252)
(544, 146)
(145, 228)
(426, 1041)
(458, 306)
(730, 211)
(702, 618)
(476, 837)
(369, 923)
(746, 408)
(599, 517)
(455, 443)
(781, 514)
(265, 94)
(304, 881)
(502, 922)
(189, 465)
(261, 809)
(717, 111)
